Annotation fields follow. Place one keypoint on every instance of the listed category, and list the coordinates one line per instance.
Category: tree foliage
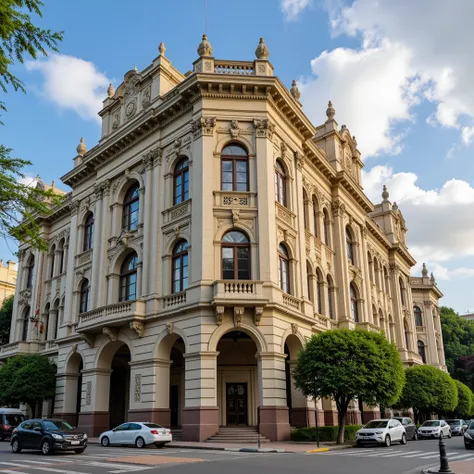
(465, 406)
(347, 364)
(429, 390)
(458, 339)
(6, 312)
(27, 378)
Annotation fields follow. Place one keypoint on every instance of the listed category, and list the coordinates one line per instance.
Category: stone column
(330, 412)
(301, 411)
(274, 420)
(364, 266)
(113, 282)
(139, 279)
(155, 229)
(370, 413)
(53, 324)
(94, 417)
(148, 250)
(100, 289)
(200, 414)
(96, 257)
(300, 287)
(66, 397)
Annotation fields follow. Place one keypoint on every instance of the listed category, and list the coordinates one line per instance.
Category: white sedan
(434, 429)
(384, 432)
(139, 434)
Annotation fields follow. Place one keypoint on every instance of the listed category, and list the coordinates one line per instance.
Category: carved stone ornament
(87, 338)
(89, 392)
(150, 156)
(294, 328)
(81, 148)
(146, 97)
(75, 205)
(294, 91)
(219, 314)
(234, 129)
(110, 333)
(203, 126)
(262, 51)
(131, 84)
(235, 216)
(110, 91)
(138, 327)
(131, 108)
(300, 161)
(204, 48)
(257, 315)
(115, 120)
(238, 316)
(74, 348)
(137, 391)
(264, 128)
(170, 327)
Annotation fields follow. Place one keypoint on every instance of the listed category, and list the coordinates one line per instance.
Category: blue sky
(401, 90)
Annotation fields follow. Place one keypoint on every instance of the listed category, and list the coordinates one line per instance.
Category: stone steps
(244, 434)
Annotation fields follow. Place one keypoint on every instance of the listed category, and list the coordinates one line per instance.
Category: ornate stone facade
(8, 275)
(192, 295)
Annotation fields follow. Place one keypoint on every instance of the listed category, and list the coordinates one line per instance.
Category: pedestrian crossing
(98, 462)
(381, 452)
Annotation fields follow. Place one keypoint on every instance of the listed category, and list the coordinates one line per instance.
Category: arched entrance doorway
(176, 404)
(237, 380)
(72, 389)
(119, 386)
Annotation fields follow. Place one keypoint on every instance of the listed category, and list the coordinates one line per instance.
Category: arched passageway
(119, 391)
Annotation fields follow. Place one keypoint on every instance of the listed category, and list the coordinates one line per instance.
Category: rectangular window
(227, 263)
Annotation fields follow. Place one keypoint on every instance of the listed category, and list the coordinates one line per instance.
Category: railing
(289, 300)
(13, 346)
(175, 299)
(247, 287)
(239, 68)
(420, 329)
(241, 291)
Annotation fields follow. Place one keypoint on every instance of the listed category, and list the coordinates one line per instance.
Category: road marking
(400, 453)
(437, 455)
(60, 471)
(7, 471)
(12, 464)
(456, 458)
(424, 454)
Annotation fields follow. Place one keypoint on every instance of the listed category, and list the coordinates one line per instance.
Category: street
(395, 460)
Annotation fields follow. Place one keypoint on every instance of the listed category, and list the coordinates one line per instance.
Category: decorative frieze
(89, 392)
(264, 128)
(203, 126)
(137, 392)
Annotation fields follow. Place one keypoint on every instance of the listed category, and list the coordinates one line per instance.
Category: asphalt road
(411, 458)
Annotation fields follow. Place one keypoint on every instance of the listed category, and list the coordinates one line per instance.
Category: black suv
(48, 435)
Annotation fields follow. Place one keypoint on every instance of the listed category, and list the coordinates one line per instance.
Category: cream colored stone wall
(8, 276)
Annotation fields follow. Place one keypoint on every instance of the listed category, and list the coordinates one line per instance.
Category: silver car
(457, 426)
(434, 429)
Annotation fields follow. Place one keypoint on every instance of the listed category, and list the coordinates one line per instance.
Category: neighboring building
(8, 274)
(209, 234)
(468, 317)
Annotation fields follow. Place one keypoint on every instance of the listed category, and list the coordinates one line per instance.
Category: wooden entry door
(236, 404)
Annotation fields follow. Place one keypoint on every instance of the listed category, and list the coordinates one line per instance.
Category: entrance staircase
(237, 434)
(177, 434)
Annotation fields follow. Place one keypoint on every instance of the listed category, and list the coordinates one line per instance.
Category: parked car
(48, 435)
(384, 431)
(434, 429)
(410, 427)
(457, 426)
(469, 435)
(10, 418)
(139, 434)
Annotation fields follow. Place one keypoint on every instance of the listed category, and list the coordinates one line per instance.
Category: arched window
(235, 256)
(391, 329)
(84, 303)
(309, 282)
(283, 269)
(181, 181)
(422, 351)
(61, 256)
(128, 278)
(30, 272)
(45, 327)
(280, 184)
(387, 281)
(350, 246)
(52, 260)
(320, 286)
(88, 232)
(56, 319)
(315, 217)
(330, 299)
(305, 210)
(180, 267)
(418, 316)
(354, 305)
(235, 168)
(326, 225)
(407, 334)
(376, 273)
(131, 206)
(24, 331)
(402, 291)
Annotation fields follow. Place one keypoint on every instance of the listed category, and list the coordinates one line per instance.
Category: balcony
(238, 292)
(13, 348)
(174, 300)
(113, 315)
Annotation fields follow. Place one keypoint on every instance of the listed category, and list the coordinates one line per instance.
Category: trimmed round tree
(465, 406)
(344, 365)
(429, 390)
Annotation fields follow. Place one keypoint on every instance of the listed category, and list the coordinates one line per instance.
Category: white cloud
(292, 8)
(440, 222)
(28, 181)
(72, 84)
(371, 89)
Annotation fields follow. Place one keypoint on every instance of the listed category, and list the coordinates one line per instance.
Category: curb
(318, 450)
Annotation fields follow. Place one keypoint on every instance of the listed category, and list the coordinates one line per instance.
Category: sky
(398, 74)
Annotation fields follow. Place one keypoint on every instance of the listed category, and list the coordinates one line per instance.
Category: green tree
(19, 39)
(6, 312)
(27, 378)
(465, 406)
(458, 339)
(344, 365)
(429, 390)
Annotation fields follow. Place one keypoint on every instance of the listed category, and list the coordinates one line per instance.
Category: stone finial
(135, 68)
(294, 91)
(162, 49)
(394, 207)
(81, 148)
(424, 271)
(205, 48)
(262, 51)
(110, 90)
(385, 193)
(432, 278)
(354, 140)
(330, 112)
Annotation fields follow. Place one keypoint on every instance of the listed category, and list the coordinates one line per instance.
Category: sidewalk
(275, 447)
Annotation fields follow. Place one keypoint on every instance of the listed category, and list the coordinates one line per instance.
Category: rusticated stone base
(94, 423)
(274, 423)
(161, 416)
(330, 418)
(353, 417)
(200, 423)
(371, 415)
(302, 417)
(71, 418)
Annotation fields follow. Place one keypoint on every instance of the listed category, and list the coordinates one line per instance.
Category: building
(468, 317)
(211, 231)
(8, 275)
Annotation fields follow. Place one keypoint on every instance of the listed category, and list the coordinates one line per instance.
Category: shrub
(326, 433)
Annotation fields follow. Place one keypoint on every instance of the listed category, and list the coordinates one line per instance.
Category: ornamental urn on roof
(110, 90)
(294, 91)
(81, 148)
(205, 48)
(262, 51)
(424, 271)
(330, 112)
(162, 49)
(385, 193)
